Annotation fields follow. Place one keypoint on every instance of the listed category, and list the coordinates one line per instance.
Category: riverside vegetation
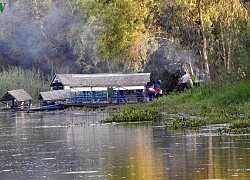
(208, 104)
(32, 81)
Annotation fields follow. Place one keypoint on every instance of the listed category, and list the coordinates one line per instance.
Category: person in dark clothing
(150, 90)
(121, 97)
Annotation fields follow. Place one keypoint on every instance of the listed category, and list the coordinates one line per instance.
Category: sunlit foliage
(124, 29)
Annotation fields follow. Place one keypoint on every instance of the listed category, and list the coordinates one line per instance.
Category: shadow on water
(74, 145)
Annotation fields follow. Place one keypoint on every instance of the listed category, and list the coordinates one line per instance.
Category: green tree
(232, 18)
(124, 32)
(212, 27)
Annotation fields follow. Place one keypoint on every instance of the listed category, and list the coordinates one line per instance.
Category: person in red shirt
(157, 89)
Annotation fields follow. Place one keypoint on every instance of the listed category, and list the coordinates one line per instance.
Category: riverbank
(213, 103)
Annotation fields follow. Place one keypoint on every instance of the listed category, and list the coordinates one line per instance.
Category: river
(75, 145)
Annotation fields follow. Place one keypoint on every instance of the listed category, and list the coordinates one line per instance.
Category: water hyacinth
(133, 115)
(183, 122)
(236, 127)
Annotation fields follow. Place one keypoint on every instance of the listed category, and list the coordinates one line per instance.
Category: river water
(74, 145)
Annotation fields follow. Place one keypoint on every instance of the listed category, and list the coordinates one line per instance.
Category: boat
(94, 90)
(46, 108)
(90, 105)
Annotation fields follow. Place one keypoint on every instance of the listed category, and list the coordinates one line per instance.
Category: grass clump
(135, 115)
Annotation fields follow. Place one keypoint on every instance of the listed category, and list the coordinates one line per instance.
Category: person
(157, 88)
(121, 97)
(185, 79)
(195, 80)
(139, 95)
(151, 91)
(22, 105)
(110, 93)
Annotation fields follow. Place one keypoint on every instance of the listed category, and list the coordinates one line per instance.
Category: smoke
(33, 34)
(173, 58)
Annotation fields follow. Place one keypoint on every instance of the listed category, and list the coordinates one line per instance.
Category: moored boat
(46, 108)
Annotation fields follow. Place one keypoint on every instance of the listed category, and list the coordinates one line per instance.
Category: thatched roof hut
(17, 97)
(54, 95)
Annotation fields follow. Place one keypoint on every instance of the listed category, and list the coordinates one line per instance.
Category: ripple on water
(79, 172)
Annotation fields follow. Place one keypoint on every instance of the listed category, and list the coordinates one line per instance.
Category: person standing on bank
(185, 79)
(150, 90)
(157, 88)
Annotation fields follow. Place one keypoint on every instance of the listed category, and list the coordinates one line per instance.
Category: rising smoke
(33, 34)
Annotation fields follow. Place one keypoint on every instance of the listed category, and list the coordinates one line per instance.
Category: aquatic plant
(133, 115)
(183, 122)
(78, 109)
(237, 127)
(240, 124)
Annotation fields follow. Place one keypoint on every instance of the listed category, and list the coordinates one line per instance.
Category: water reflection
(73, 145)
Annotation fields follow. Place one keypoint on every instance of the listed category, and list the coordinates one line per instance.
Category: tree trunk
(229, 49)
(223, 53)
(204, 47)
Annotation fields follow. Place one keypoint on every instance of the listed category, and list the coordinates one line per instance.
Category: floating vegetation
(77, 109)
(133, 115)
(183, 122)
(237, 127)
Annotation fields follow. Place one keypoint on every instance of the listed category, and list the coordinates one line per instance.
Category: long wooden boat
(46, 108)
(91, 105)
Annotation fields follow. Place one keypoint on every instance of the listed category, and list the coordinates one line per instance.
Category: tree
(212, 27)
(123, 29)
(232, 14)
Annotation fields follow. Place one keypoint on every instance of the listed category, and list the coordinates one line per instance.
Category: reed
(32, 81)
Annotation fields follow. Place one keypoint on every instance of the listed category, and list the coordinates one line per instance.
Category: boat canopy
(100, 81)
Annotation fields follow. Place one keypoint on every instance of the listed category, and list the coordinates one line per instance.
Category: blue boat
(46, 108)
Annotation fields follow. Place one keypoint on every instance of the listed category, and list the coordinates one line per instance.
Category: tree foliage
(123, 29)
(214, 28)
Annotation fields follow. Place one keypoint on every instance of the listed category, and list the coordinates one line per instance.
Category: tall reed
(32, 81)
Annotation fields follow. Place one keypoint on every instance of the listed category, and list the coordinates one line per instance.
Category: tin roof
(19, 95)
(102, 80)
(54, 95)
